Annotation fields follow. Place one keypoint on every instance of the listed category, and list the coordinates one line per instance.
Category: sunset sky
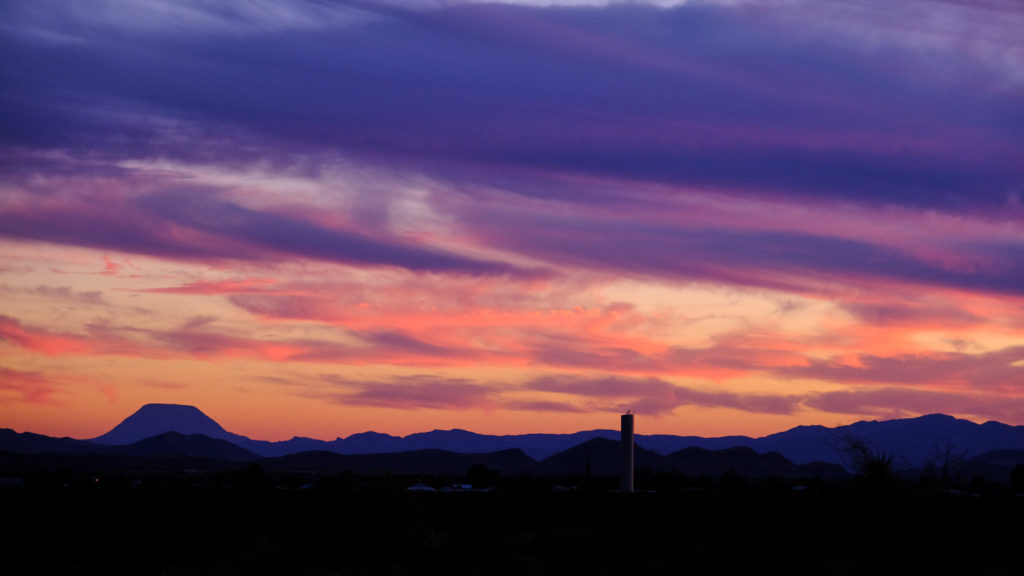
(322, 217)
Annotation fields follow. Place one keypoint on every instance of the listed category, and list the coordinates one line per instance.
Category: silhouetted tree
(945, 461)
(875, 467)
(481, 476)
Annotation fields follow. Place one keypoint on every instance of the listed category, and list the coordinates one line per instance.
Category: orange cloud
(32, 387)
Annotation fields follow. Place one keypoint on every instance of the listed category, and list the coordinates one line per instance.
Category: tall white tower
(627, 451)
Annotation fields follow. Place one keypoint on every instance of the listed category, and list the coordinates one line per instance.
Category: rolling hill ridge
(169, 430)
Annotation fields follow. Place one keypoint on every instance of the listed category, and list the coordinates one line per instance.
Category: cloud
(1000, 369)
(41, 340)
(593, 105)
(241, 286)
(312, 307)
(789, 261)
(697, 95)
(463, 184)
(908, 314)
(892, 402)
(656, 396)
(177, 17)
(64, 294)
(728, 357)
(411, 392)
(399, 344)
(542, 406)
(197, 225)
(199, 337)
(584, 394)
(31, 387)
(603, 386)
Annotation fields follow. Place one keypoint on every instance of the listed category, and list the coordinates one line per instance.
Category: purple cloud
(1000, 369)
(911, 314)
(696, 95)
(196, 224)
(892, 402)
(656, 396)
(538, 102)
(815, 148)
(410, 392)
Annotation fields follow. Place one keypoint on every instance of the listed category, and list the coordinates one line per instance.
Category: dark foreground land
(253, 525)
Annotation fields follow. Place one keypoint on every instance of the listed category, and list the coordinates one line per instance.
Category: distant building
(627, 452)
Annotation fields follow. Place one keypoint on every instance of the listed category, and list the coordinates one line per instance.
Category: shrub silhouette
(874, 467)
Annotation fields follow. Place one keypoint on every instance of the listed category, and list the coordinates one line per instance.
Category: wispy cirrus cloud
(239, 286)
(713, 119)
(553, 106)
(196, 224)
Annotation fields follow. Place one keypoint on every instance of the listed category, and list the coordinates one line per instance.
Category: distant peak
(153, 419)
(936, 417)
(159, 406)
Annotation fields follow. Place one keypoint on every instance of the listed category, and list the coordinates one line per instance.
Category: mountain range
(177, 431)
(912, 442)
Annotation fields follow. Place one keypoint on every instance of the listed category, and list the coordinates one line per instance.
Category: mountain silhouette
(178, 445)
(994, 466)
(537, 446)
(154, 419)
(912, 442)
(598, 456)
(29, 443)
(744, 461)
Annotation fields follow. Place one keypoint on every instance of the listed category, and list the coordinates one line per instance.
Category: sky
(319, 217)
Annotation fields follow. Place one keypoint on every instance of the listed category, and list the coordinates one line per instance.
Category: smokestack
(627, 452)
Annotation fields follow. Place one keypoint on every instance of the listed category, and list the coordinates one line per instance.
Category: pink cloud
(40, 340)
(110, 268)
(32, 387)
